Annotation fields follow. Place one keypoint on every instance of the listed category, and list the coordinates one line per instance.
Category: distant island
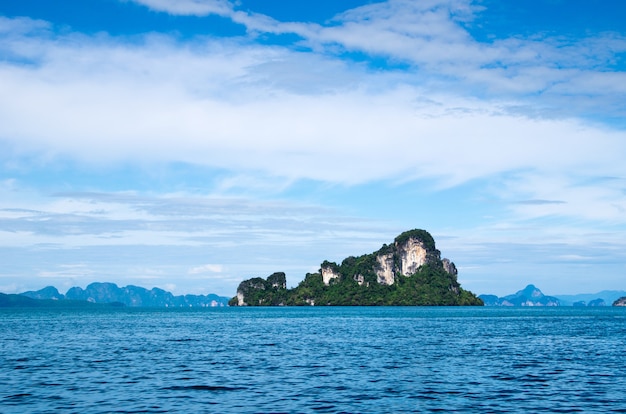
(408, 272)
(110, 293)
(529, 296)
(620, 302)
(20, 301)
(532, 296)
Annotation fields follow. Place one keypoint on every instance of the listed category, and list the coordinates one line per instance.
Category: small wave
(202, 388)
(17, 396)
(183, 340)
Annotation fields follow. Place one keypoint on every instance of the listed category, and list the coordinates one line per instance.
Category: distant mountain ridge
(529, 296)
(607, 296)
(20, 301)
(532, 296)
(132, 296)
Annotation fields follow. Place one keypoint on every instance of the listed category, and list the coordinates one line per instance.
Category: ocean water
(314, 359)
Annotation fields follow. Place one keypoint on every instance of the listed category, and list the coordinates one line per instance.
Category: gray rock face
(407, 255)
(328, 273)
(385, 269)
(413, 254)
(449, 267)
(278, 280)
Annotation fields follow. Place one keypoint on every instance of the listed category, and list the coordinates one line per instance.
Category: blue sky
(190, 144)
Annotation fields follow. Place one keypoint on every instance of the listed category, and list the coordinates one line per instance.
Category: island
(408, 272)
(529, 296)
(131, 296)
(620, 302)
(20, 301)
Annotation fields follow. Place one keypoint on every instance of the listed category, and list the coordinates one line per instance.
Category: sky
(192, 144)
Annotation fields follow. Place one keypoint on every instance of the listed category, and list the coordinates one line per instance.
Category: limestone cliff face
(406, 257)
(412, 255)
(385, 269)
(328, 273)
(240, 299)
(449, 267)
(247, 286)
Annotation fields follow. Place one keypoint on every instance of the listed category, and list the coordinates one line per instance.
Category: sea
(313, 360)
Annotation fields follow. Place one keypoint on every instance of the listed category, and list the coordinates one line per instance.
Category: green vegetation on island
(409, 272)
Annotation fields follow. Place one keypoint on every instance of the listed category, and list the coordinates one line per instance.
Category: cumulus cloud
(435, 38)
(188, 7)
(208, 268)
(210, 104)
(249, 108)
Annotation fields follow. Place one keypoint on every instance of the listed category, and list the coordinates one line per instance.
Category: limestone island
(409, 272)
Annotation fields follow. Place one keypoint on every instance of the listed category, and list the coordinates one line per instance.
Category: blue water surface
(314, 359)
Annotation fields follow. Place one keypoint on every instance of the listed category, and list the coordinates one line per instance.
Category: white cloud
(188, 7)
(22, 25)
(250, 109)
(67, 271)
(207, 268)
(161, 117)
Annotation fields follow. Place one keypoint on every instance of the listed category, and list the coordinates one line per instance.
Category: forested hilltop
(409, 272)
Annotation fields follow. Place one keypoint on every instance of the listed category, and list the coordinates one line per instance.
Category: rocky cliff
(261, 291)
(408, 272)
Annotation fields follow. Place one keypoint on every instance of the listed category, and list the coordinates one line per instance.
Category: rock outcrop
(597, 303)
(449, 267)
(410, 251)
(592, 303)
(620, 302)
(408, 272)
(412, 254)
(385, 269)
(258, 291)
(329, 272)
